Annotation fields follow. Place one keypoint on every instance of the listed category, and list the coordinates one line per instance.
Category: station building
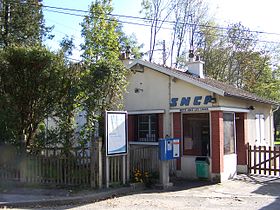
(212, 119)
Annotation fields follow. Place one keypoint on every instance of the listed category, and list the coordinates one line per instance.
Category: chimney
(195, 66)
(125, 57)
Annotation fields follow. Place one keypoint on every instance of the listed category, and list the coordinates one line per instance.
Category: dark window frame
(229, 133)
(197, 139)
(152, 131)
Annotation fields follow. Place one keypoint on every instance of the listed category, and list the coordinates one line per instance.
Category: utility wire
(140, 18)
(120, 21)
(159, 20)
(146, 25)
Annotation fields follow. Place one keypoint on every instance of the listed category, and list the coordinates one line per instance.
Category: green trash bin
(202, 167)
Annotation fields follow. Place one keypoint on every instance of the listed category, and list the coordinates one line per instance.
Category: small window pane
(147, 127)
(229, 134)
(144, 126)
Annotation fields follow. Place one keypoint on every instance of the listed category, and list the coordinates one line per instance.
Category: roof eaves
(178, 75)
(198, 83)
(257, 99)
(129, 66)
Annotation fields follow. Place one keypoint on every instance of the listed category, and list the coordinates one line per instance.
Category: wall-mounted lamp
(138, 90)
(213, 100)
(251, 107)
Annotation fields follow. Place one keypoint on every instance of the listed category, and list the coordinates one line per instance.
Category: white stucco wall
(260, 108)
(181, 89)
(155, 90)
(268, 124)
(188, 167)
(154, 94)
(230, 167)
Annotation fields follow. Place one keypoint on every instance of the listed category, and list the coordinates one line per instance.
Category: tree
(22, 22)
(99, 32)
(104, 76)
(156, 13)
(30, 89)
(188, 15)
(236, 58)
(129, 44)
(183, 15)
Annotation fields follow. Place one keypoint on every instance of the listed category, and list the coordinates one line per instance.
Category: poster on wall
(116, 133)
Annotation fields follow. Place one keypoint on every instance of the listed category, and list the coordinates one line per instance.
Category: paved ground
(245, 192)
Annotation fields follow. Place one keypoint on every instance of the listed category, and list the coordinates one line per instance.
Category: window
(147, 127)
(196, 134)
(260, 139)
(229, 133)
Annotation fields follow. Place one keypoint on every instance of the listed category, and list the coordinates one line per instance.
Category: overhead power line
(120, 21)
(147, 25)
(139, 18)
(149, 19)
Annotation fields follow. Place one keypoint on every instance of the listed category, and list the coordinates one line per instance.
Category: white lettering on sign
(195, 109)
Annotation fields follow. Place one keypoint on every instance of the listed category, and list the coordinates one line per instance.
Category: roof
(207, 83)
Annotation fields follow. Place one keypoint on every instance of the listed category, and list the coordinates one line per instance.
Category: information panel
(116, 133)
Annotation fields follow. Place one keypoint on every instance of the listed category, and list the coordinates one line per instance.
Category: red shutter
(131, 127)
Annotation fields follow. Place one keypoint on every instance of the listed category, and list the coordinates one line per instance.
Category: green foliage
(103, 78)
(103, 86)
(22, 22)
(30, 89)
(129, 44)
(67, 45)
(99, 32)
(36, 84)
(237, 59)
(68, 108)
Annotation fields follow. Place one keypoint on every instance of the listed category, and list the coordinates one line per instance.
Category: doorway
(196, 134)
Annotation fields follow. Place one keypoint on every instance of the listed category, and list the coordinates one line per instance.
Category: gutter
(266, 101)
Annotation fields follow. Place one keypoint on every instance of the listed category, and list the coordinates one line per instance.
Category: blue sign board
(169, 148)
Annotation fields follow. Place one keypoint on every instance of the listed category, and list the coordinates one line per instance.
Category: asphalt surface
(244, 192)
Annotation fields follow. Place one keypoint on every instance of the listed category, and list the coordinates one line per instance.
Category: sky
(258, 15)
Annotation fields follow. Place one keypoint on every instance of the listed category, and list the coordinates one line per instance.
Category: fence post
(96, 158)
(23, 160)
(248, 149)
(128, 164)
(100, 167)
(23, 168)
(93, 157)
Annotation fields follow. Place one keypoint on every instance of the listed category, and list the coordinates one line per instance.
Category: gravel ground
(245, 192)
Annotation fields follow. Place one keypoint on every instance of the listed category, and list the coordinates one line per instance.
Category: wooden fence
(115, 170)
(145, 159)
(52, 166)
(264, 160)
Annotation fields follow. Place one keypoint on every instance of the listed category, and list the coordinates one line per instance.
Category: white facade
(154, 89)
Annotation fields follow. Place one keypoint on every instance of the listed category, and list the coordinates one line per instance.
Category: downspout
(169, 99)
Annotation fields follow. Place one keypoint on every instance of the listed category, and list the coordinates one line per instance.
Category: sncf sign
(187, 101)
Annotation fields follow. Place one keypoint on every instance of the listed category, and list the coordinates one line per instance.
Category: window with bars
(147, 127)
